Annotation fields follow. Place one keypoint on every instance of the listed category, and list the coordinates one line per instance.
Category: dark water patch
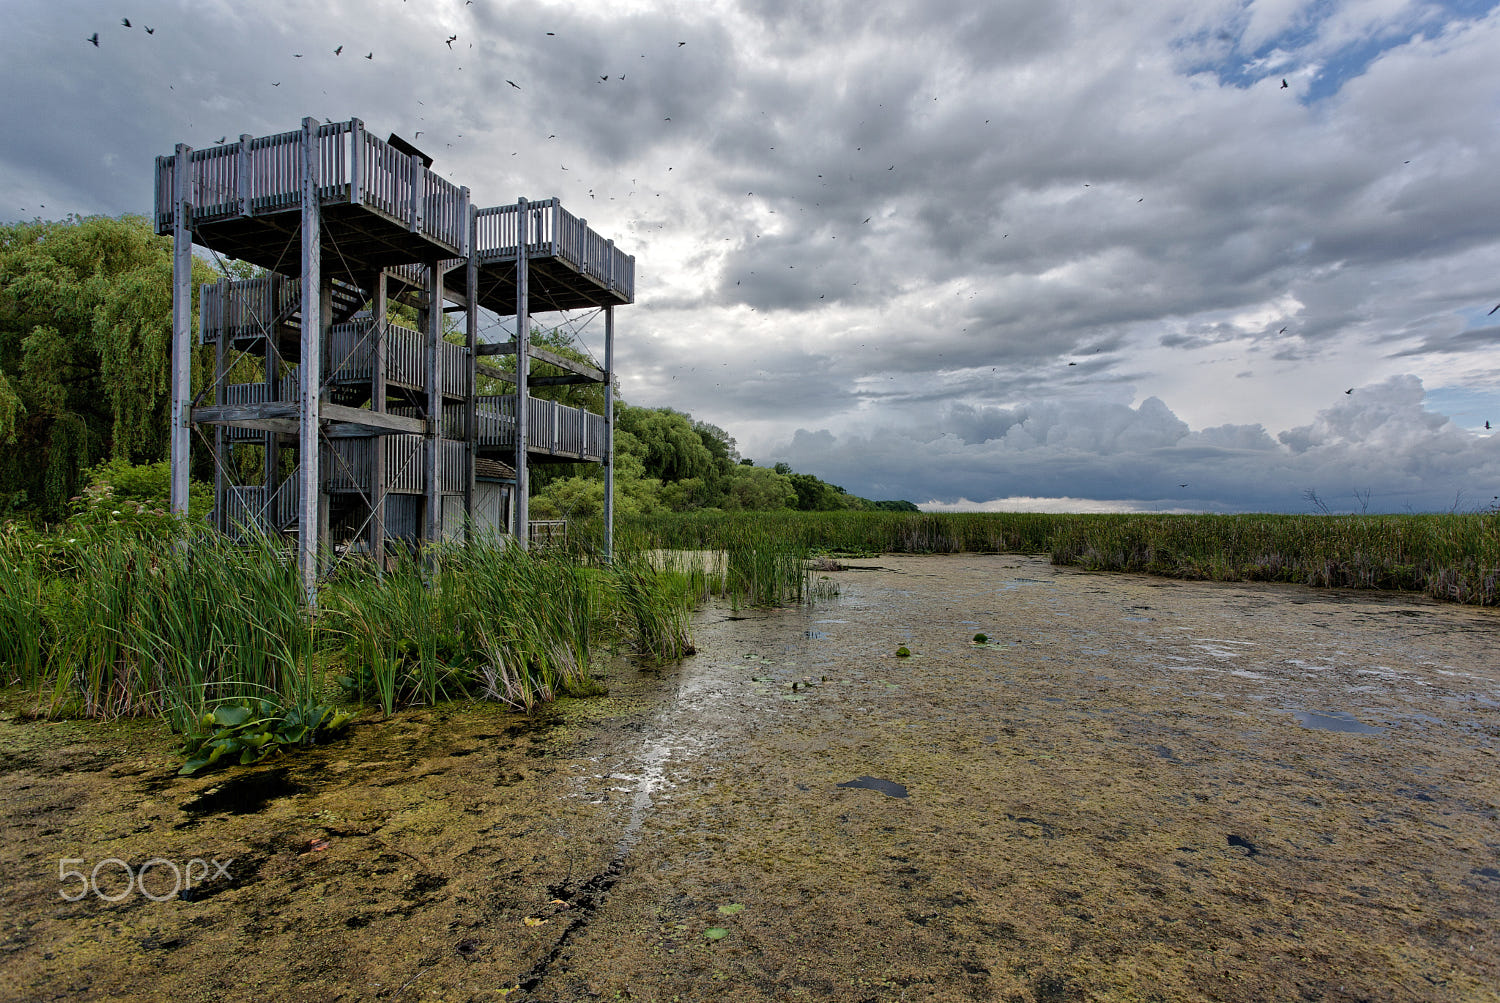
(1334, 721)
(1245, 844)
(886, 787)
(1165, 753)
(245, 794)
(1488, 873)
(1053, 699)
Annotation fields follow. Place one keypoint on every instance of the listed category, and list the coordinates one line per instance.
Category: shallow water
(1114, 798)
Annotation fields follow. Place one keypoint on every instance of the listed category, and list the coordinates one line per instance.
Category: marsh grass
(1455, 557)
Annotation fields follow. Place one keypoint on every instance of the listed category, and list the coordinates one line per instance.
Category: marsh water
(1134, 789)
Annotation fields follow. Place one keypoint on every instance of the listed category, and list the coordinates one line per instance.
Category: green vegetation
(1454, 557)
(85, 334)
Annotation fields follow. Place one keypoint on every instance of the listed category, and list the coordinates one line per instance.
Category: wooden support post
(609, 434)
(471, 340)
(309, 483)
(356, 162)
(182, 329)
(523, 368)
(243, 173)
(377, 404)
(221, 515)
(325, 508)
(273, 441)
(417, 171)
(433, 528)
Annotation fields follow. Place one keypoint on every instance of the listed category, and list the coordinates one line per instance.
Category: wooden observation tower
(331, 421)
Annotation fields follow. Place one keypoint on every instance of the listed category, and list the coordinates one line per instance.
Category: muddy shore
(1135, 790)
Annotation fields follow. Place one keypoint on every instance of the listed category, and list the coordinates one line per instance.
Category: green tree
(759, 489)
(85, 342)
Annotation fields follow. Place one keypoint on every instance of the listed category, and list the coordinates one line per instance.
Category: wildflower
(115, 512)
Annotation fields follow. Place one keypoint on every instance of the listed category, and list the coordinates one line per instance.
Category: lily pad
(716, 933)
(732, 908)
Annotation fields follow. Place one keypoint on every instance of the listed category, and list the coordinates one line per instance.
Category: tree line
(85, 340)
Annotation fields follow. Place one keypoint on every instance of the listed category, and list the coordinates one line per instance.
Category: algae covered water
(1131, 789)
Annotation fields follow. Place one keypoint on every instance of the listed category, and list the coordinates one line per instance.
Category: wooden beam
(559, 381)
(373, 422)
(494, 373)
(542, 355)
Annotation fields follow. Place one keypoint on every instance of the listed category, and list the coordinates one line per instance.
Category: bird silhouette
(221, 139)
(93, 38)
(681, 44)
(339, 51)
(1349, 391)
(125, 22)
(371, 55)
(150, 30)
(1072, 363)
(1182, 485)
(1486, 426)
(514, 84)
(1283, 83)
(1496, 307)
(1282, 331)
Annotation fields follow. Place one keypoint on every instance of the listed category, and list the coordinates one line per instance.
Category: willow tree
(85, 344)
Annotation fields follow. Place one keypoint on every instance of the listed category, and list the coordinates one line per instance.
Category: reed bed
(204, 631)
(1454, 557)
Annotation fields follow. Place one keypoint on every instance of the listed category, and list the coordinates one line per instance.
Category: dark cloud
(951, 202)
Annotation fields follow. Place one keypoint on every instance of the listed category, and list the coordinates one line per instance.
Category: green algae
(1047, 851)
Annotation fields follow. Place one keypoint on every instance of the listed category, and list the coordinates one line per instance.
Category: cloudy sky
(971, 253)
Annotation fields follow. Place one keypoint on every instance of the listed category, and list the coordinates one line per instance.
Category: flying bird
(681, 44)
(514, 84)
(1282, 331)
(1349, 391)
(150, 30)
(1497, 305)
(339, 51)
(221, 139)
(371, 55)
(93, 38)
(1486, 426)
(450, 40)
(1182, 485)
(125, 21)
(1283, 83)
(1072, 363)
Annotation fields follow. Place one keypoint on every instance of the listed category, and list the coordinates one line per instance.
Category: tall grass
(126, 625)
(117, 624)
(1454, 557)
